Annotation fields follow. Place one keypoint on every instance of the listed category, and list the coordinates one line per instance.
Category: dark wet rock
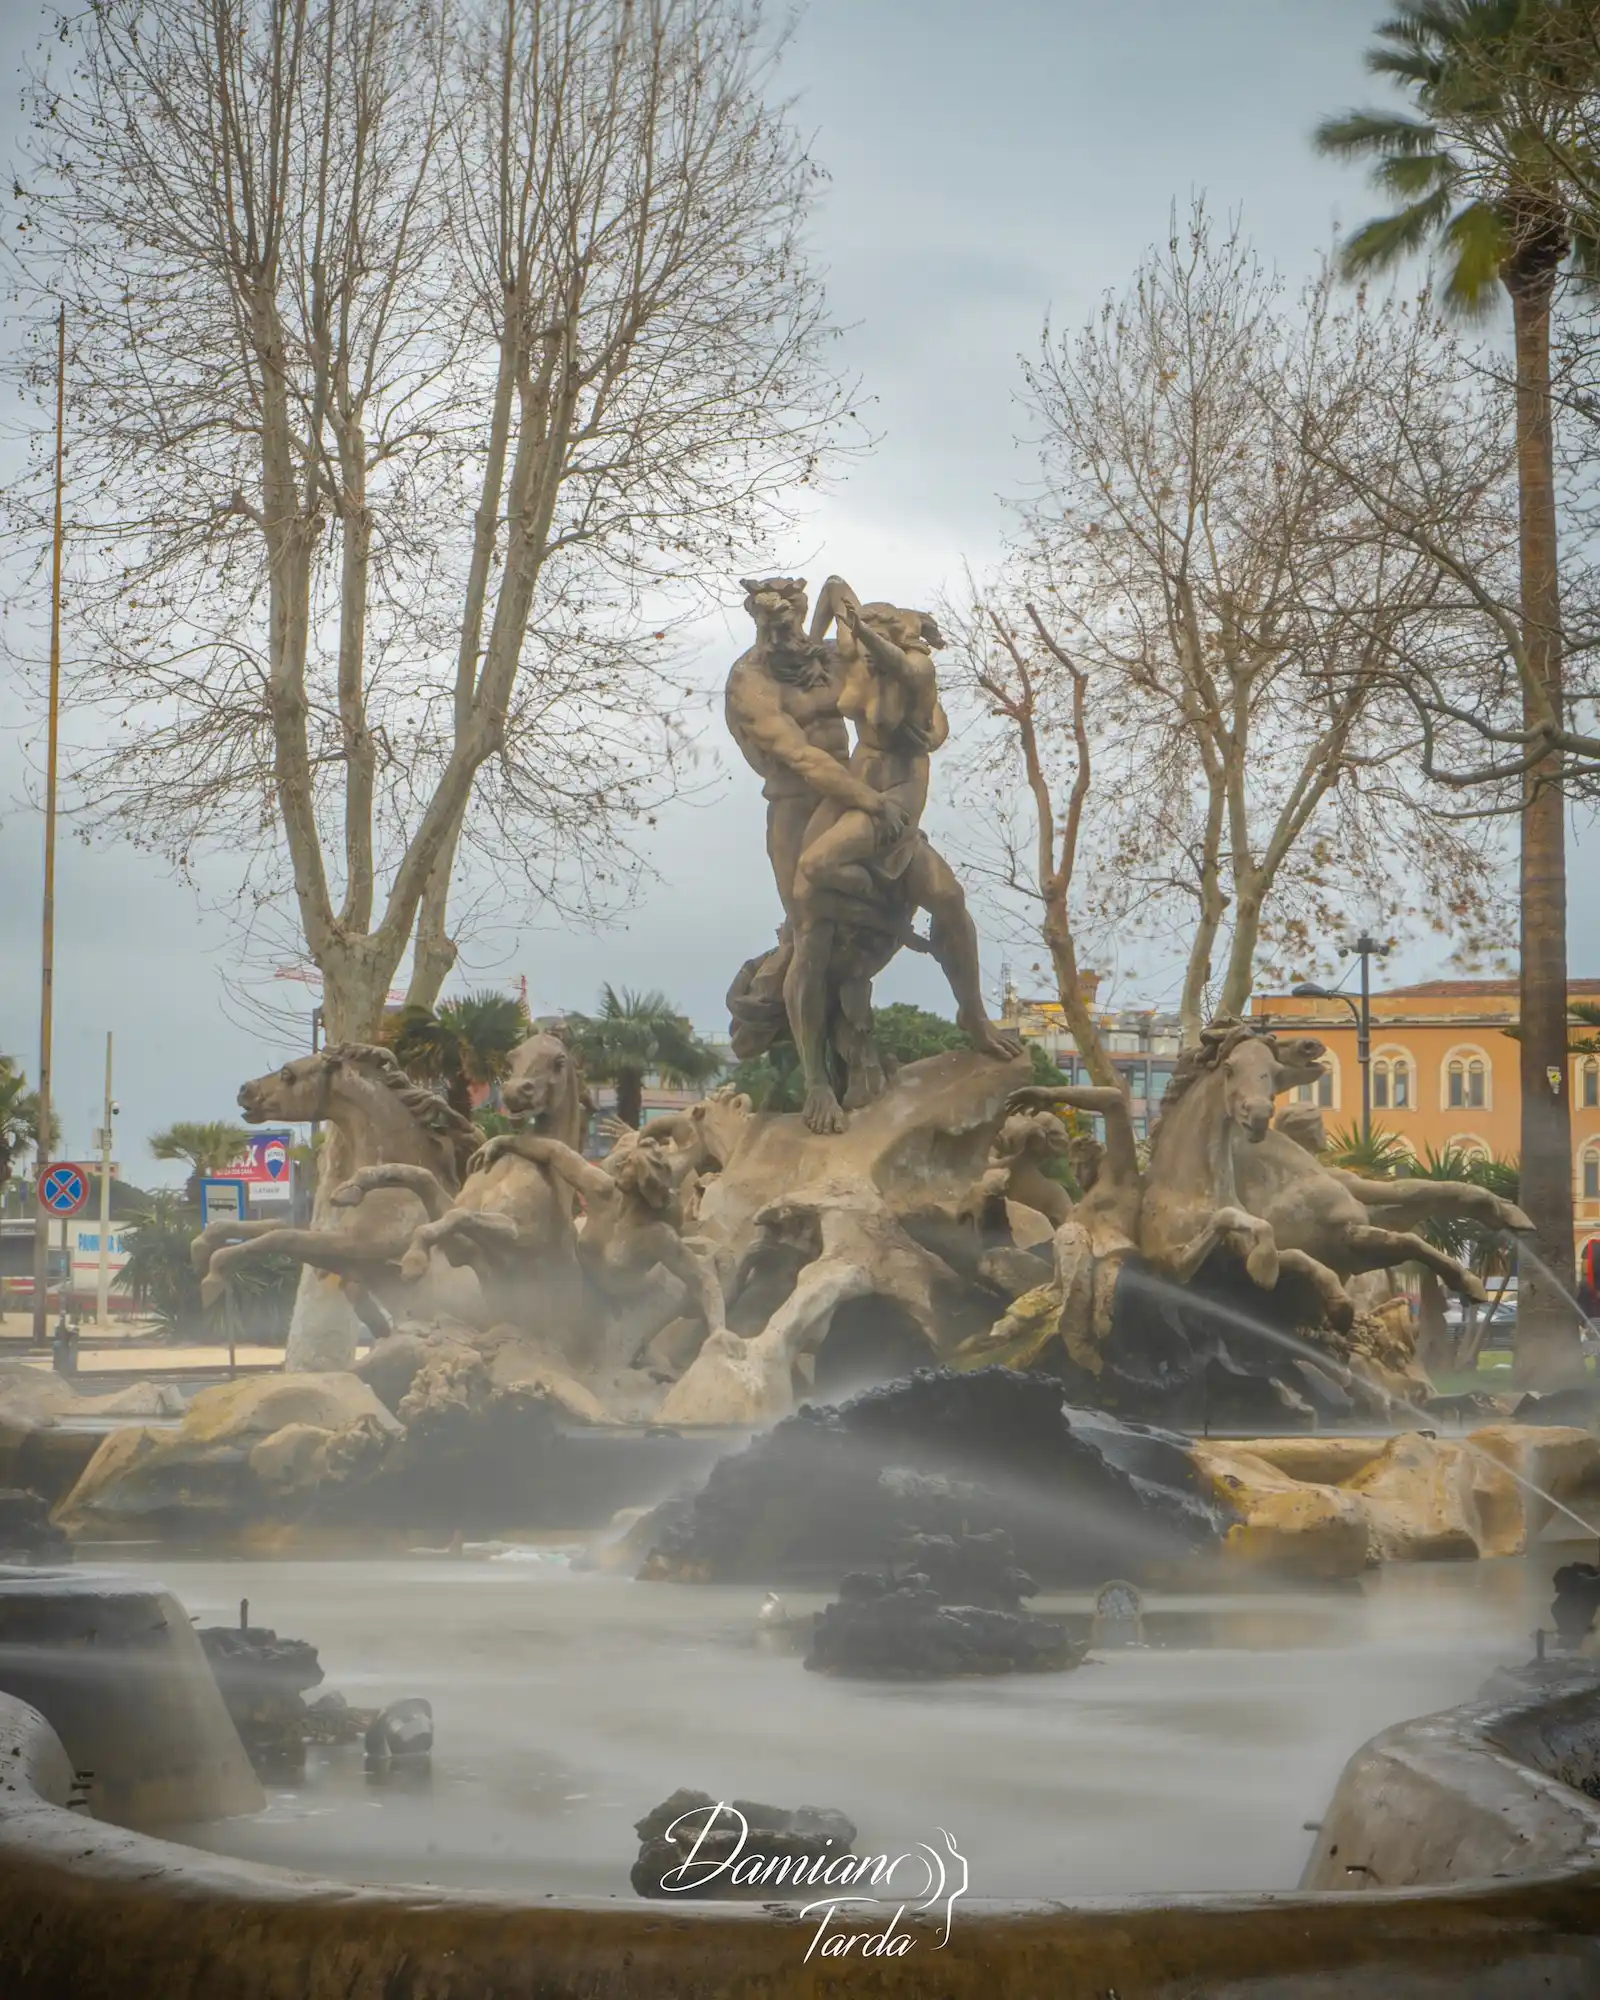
(331, 1720)
(1578, 1406)
(771, 1843)
(262, 1679)
(1470, 1409)
(970, 1569)
(402, 1730)
(942, 1452)
(1577, 1600)
(27, 1534)
(1217, 1353)
(889, 1628)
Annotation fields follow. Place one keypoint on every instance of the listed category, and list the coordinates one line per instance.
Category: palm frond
(1478, 244)
(1385, 133)
(1378, 244)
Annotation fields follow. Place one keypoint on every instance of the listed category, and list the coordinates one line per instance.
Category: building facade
(1445, 1073)
(1142, 1043)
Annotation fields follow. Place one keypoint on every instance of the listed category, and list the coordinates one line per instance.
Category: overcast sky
(988, 164)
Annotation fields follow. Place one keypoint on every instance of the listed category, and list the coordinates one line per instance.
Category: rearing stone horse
(1220, 1175)
(376, 1114)
(511, 1221)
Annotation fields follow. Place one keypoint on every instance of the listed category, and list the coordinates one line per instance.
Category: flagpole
(41, 1229)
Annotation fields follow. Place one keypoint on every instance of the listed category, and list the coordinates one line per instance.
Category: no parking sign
(63, 1188)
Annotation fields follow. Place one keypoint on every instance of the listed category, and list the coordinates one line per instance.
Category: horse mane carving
(1217, 1043)
(428, 1108)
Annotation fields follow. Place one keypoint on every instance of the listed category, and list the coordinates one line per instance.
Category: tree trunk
(1433, 1329)
(630, 1097)
(1063, 951)
(1548, 1354)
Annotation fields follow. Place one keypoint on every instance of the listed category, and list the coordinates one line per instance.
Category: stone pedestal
(116, 1670)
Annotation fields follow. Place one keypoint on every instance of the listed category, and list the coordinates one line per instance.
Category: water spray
(1347, 1376)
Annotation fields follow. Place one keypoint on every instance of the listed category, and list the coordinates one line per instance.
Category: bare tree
(1030, 685)
(1202, 566)
(418, 351)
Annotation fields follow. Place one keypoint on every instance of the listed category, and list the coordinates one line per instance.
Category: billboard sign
(266, 1161)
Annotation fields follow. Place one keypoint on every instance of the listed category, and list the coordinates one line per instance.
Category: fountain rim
(94, 1908)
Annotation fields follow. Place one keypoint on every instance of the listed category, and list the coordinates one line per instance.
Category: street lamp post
(1365, 948)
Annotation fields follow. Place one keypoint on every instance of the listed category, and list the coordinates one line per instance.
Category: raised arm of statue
(832, 601)
(540, 1151)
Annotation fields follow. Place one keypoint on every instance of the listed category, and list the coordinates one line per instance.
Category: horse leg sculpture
(320, 1248)
(1338, 1307)
(1403, 1204)
(460, 1228)
(215, 1234)
(1373, 1249)
(1247, 1234)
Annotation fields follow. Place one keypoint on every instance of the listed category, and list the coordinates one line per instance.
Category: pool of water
(567, 1705)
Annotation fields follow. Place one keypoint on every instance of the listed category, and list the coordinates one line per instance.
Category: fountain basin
(105, 1914)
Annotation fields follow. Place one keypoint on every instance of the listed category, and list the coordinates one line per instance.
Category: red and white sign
(266, 1162)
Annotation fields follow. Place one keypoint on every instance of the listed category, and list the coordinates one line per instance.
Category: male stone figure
(844, 920)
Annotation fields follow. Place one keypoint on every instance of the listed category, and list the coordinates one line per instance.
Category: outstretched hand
(1032, 1097)
(492, 1149)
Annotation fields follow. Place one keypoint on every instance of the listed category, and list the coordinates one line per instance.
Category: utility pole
(103, 1279)
(41, 1227)
(1366, 948)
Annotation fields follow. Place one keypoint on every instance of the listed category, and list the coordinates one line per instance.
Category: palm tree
(159, 1274)
(1469, 1242)
(635, 1034)
(1379, 1154)
(459, 1043)
(1479, 174)
(209, 1149)
(19, 1119)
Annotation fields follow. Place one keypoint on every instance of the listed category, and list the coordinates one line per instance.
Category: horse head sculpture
(544, 1085)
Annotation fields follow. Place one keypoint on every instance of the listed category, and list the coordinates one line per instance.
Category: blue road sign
(222, 1199)
(63, 1188)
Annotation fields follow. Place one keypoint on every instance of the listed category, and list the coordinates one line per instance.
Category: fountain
(1108, 1525)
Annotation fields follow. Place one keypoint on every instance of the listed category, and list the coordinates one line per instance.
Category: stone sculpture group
(699, 1271)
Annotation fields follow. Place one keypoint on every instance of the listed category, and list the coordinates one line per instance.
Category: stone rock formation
(899, 1628)
(262, 1680)
(230, 1462)
(1328, 1507)
(27, 1533)
(831, 1489)
(1577, 1599)
(953, 1606)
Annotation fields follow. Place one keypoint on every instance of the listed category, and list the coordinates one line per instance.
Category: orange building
(1445, 1073)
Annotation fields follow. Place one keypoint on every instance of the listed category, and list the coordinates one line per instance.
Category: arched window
(1591, 1175)
(1467, 1081)
(1320, 1092)
(1392, 1082)
(1589, 1084)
